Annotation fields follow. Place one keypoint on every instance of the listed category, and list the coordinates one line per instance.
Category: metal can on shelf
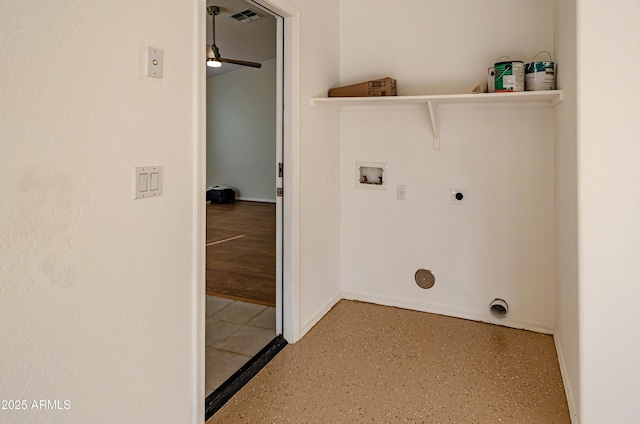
(509, 76)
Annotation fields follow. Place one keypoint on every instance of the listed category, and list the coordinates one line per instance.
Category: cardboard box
(374, 88)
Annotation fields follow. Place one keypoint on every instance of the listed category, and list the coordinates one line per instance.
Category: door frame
(290, 201)
(290, 36)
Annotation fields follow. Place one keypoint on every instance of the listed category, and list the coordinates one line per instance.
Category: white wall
(318, 157)
(609, 210)
(93, 283)
(502, 243)
(499, 245)
(435, 47)
(97, 288)
(98, 294)
(566, 200)
(241, 131)
(313, 189)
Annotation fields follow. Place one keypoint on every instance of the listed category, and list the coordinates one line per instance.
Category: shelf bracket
(434, 115)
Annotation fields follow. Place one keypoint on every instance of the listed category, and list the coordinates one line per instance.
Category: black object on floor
(237, 381)
(221, 194)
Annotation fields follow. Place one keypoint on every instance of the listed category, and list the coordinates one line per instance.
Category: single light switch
(148, 181)
(155, 181)
(143, 182)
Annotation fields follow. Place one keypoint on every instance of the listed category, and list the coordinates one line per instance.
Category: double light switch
(148, 181)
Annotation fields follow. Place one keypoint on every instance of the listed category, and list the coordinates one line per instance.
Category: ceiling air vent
(247, 16)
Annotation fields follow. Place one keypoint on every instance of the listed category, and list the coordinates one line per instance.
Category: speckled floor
(370, 363)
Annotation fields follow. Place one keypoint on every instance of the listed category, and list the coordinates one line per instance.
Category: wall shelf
(542, 98)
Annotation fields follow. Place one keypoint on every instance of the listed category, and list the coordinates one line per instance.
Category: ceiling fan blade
(212, 50)
(240, 62)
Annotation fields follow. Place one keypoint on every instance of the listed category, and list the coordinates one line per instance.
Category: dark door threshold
(222, 394)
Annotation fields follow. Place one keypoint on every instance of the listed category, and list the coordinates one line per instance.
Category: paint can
(540, 76)
(491, 80)
(509, 76)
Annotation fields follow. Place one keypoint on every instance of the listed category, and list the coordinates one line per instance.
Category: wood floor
(241, 251)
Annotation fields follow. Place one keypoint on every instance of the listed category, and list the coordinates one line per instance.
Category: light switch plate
(154, 62)
(148, 182)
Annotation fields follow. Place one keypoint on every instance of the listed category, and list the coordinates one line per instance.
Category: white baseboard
(304, 329)
(573, 411)
(251, 199)
(537, 327)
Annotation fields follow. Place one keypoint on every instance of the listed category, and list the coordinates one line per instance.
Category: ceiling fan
(213, 54)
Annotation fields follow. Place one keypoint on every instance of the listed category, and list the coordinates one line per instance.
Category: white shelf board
(547, 98)
(551, 97)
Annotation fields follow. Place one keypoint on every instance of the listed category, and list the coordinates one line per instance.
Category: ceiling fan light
(214, 60)
(212, 63)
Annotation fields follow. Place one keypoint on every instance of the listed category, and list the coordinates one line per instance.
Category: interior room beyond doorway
(241, 236)
(241, 289)
(241, 252)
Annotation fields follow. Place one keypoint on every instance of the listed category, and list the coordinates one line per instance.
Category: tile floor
(371, 363)
(235, 332)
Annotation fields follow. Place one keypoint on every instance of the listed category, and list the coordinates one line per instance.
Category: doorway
(243, 237)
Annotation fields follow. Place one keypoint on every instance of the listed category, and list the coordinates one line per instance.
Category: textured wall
(566, 199)
(608, 211)
(318, 157)
(97, 299)
(95, 287)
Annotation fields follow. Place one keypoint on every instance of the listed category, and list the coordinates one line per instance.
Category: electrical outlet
(459, 196)
(401, 191)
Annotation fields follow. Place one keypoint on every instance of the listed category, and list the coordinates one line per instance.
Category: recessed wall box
(371, 175)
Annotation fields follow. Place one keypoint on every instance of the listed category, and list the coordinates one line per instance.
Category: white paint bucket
(540, 76)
